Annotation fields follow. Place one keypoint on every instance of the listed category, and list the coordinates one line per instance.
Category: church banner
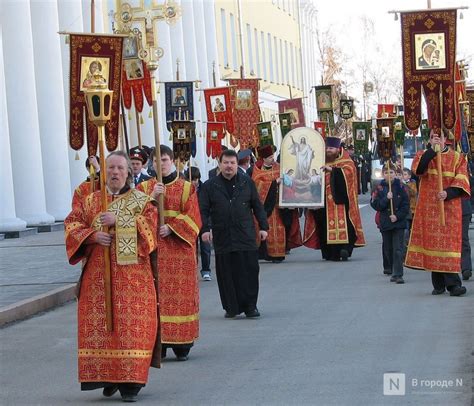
(346, 108)
(470, 121)
(265, 133)
(179, 102)
(328, 118)
(385, 138)
(386, 110)
(399, 130)
(429, 49)
(321, 127)
(246, 111)
(136, 80)
(215, 134)
(361, 135)
(184, 139)
(324, 98)
(89, 55)
(218, 106)
(295, 108)
(285, 123)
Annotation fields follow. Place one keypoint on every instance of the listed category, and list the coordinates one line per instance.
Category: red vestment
(276, 239)
(336, 214)
(84, 190)
(123, 355)
(177, 262)
(434, 247)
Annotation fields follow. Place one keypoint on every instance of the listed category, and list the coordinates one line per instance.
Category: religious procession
(267, 215)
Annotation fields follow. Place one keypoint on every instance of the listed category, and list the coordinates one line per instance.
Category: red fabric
(290, 105)
(384, 109)
(136, 87)
(90, 46)
(246, 115)
(214, 145)
(434, 82)
(320, 126)
(219, 116)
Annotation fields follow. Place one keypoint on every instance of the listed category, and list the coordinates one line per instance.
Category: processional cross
(127, 19)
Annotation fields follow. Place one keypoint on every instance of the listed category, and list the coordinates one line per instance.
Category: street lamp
(99, 108)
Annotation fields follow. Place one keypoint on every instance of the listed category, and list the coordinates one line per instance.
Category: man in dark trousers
(229, 202)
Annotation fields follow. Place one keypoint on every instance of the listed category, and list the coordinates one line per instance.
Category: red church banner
(429, 49)
(215, 134)
(92, 54)
(219, 106)
(295, 108)
(246, 111)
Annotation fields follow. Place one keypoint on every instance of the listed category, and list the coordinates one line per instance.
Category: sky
(344, 18)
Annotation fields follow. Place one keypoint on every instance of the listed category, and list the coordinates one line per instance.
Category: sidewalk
(34, 275)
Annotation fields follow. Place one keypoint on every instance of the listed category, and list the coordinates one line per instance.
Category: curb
(29, 307)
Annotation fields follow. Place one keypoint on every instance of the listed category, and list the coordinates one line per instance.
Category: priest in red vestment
(434, 247)
(177, 260)
(117, 359)
(337, 228)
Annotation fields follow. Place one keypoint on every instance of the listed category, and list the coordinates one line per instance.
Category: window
(257, 53)
(249, 45)
(234, 42)
(277, 64)
(224, 38)
(270, 57)
(264, 59)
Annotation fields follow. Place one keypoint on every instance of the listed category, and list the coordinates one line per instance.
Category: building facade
(39, 170)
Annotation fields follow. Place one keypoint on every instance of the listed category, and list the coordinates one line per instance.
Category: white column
(205, 69)
(23, 114)
(8, 219)
(70, 20)
(211, 40)
(192, 70)
(51, 112)
(166, 73)
(177, 46)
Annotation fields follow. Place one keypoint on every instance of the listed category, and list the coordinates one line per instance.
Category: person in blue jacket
(392, 226)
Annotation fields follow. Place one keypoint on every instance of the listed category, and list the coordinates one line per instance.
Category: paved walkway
(34, 265)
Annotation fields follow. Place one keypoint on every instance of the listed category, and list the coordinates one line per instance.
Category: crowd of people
(153, 256)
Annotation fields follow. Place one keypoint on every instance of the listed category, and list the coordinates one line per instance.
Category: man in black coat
(229, 202)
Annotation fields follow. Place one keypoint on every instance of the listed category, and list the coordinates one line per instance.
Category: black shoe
(129, 398)
(387, 271)
(110, 390)
(344, 255)
(457, 291)
(163, 352)
(252, 314)
(228, 315)
(466, 275)
(438, 291)
(181, 353)
(400, 280)
(394, 278)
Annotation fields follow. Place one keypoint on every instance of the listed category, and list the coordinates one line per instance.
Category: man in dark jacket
(229, 202)
(393, 207)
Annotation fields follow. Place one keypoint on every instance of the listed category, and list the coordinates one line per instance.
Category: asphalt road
(327, 335)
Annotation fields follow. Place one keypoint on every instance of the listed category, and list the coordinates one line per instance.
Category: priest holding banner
(435, 247)
(336, 229)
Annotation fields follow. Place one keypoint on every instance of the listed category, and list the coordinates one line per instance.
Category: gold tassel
(77, 157)
(66, 39)
(150, 115)
(129, 116)
(141, 119)
(171, 135)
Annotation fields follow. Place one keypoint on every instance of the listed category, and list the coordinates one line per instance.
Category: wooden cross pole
(141, 22)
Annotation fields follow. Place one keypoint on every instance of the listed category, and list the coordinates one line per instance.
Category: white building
(39, 170)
